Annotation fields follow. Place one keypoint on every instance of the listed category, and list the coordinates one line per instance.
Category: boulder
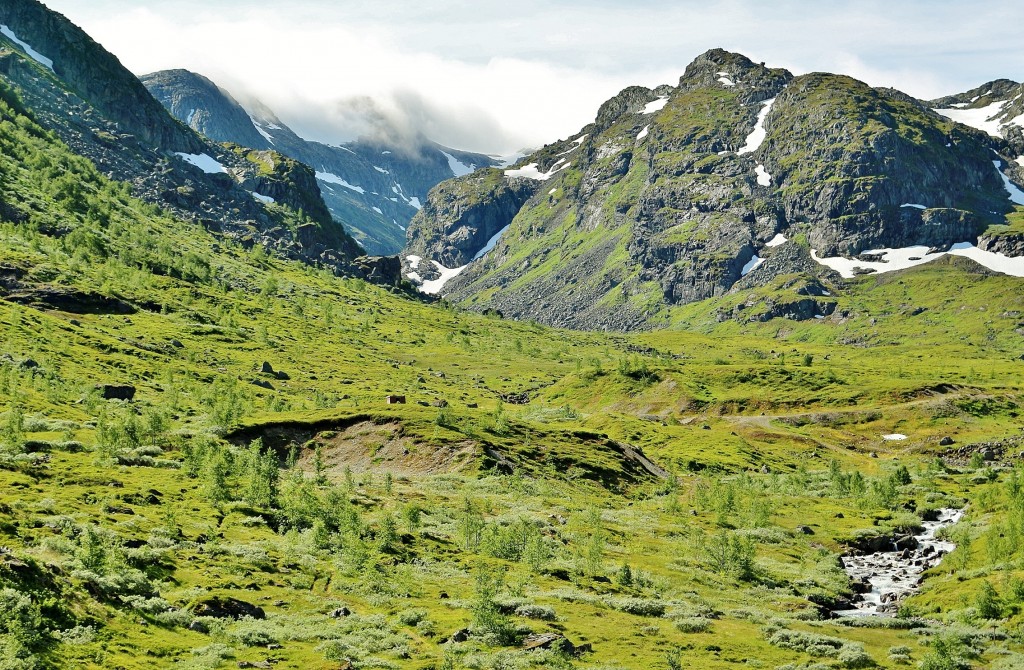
(220, 607)
(116, 391)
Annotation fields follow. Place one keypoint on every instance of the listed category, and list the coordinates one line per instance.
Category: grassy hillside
(667, 500)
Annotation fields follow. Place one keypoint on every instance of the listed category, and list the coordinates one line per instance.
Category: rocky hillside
(205, 107)
(674, 195)
(996, 107)
(374, 188)
(81, 92)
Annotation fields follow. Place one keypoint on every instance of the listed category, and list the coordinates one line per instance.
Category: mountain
(374, 187)
(674, 195)
(996, 107)
(81, 92)
(212, 456)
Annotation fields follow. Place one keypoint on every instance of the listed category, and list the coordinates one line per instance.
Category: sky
(497, 77)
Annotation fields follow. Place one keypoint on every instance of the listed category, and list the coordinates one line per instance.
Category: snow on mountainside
(996, 108)
(682, 193)
(374, 188)
(104, 113)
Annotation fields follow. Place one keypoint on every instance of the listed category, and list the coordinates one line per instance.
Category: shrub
(693, 625)
(852, 655)
(810, 643)
(535, 612)
(899, 654)
(639, 606)
(412, 617)
(21, 631)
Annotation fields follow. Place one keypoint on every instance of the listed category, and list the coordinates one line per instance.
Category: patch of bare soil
(368, 446)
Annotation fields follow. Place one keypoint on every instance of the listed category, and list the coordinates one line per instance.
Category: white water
(893, 577)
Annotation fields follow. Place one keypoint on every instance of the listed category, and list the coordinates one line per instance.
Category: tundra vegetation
(670, 499)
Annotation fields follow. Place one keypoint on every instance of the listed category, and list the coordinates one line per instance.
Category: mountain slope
(674, 195)
(199, 466)
(204, 464)
(375, 188)
(996, 108)
(98, 108)
(204, 107)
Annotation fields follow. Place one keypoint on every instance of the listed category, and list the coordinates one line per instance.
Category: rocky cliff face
(675, 194)
(461, 215)
(102, 112)
(205, 107)
(375, 188)
(96, 75)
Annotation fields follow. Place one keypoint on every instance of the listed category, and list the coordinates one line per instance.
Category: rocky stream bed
(882, 579)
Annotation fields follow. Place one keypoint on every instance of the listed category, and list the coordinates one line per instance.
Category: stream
(884, 578)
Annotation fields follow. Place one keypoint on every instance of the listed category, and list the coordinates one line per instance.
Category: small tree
(988, 602)
(487, 617)
(12, 434)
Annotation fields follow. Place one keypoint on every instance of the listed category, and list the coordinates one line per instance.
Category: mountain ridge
(166, 162)
(374, 187)
(672, 195)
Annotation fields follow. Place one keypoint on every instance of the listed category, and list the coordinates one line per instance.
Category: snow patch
(908, 257)
(332, 178)
(380, 170)
(434, 286)
(894, 437)
(983, 118)
(32, 53)
(490, 243)
(726, 81)
(751, 265)
(1020, 161)
(643, 133)
(457, 167)
(891, 260)
(415, 202)
(915, 206)
(778, 240)
(1007, 265)
(511, 159)
(553, 191)
(414, 261)
(655, 106)
(265, 199)
(191, 115)
(531, 172)
(259, 129)
(1016, 195)
(763, 178)
(204, 162)
(756, 137)
(377, 209)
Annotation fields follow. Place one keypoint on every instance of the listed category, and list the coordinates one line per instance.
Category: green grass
(118, 519)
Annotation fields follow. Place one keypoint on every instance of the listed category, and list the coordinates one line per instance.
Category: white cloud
(476, 75)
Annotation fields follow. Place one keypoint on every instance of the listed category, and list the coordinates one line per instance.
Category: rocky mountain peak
(204, 107)
(630, 100)
(718, 68)
(96, 75)
(679, 194)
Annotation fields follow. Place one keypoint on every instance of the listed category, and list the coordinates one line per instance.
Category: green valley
(201, 467)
